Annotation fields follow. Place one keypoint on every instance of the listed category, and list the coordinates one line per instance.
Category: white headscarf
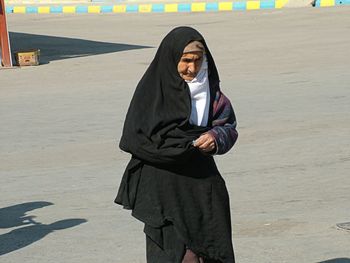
(200, 96)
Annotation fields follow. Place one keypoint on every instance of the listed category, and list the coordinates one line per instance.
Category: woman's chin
(188, 78)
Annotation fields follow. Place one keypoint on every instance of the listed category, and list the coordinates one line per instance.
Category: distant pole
(6, 59)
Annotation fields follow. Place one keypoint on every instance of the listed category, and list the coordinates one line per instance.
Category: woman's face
(190, 64)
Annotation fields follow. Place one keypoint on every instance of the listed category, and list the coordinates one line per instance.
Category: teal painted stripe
(132, 8)
(342, 2)
(81, 9)
(212, 7)
(239, 5)
(9, 9)
(267, 4)
(184, 8)
(56, 9)
(107, 9)
(158, 8)
(31, 10)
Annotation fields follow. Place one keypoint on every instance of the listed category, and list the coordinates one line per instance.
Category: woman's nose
(192, 68)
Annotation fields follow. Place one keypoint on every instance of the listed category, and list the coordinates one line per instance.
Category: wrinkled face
(190, 64)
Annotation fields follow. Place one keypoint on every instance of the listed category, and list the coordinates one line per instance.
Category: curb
(325, 3)
(149, 8)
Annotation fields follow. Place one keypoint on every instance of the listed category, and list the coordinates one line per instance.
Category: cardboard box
(28, 57)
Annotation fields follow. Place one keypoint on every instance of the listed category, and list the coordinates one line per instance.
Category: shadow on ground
(57, 48)
(14, 216)
(29, 230)
(336, 260)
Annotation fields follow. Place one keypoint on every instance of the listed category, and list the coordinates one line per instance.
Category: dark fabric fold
(128, 187)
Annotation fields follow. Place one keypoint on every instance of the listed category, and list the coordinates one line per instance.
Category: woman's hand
(205, 143)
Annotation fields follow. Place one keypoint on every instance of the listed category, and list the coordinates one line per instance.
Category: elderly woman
(177, 120)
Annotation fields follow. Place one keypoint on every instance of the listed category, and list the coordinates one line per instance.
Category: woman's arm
(224, 124)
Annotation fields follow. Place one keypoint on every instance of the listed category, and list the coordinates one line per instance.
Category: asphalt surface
(287, 75)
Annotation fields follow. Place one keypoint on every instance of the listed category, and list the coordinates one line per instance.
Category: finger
(209, 148)
(199, 141)
(208, 140)
(205, 144)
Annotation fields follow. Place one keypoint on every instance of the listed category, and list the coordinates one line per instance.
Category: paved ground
(287, 74)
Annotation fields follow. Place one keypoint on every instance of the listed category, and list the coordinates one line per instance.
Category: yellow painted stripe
(225, 6)
(170, 8)
(19, 9)
(43, 9)
(119, 9)
(198, 7)
(147, 8)
(327, 3)
(280, 3)
(68, 9)
(94, 9)
(251, 5)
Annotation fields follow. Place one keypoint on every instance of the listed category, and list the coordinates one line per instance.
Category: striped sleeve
(223, 124)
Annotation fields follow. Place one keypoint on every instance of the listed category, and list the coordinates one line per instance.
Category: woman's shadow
(15, 216)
